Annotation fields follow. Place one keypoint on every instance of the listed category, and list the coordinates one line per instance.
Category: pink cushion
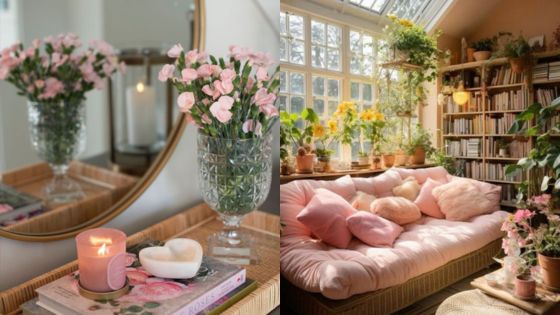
(373, 229)
(380, 186)
(397, 209)
(462, 199)
(437, 173)
(409, 189)
(426, 202)
(362, 201)
(297, 194)
(325, 215)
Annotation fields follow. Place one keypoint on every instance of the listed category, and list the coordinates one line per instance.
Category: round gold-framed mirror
(173, 131)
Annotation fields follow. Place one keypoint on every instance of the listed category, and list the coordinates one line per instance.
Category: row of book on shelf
(503, 75)
(514, 149)
(546, 70)
(545, 96)
(474, 104)
(499, 123)
(463, 147)
(490, 171)
(467, 125)
(510, 100)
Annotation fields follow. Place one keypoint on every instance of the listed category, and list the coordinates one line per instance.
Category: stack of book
(473, 147)
(216, 287)
(463, 147)
(540, 71)
(16, 205)
(554, 70)
(512, 100)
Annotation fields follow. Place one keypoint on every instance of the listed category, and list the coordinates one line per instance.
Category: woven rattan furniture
(391, 299)
(196, 223)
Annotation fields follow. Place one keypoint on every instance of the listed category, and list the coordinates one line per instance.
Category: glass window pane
(282, 23)
(318, 86)
(319, 106)
(333, 36)
(367, 3)
(366, 92)
(297, 54)
(355, 90)
(333, 62)
(317, 32)
(355, 150)
(282, 102)
(368, 45)
(283, 50)
(355, 43)
(355, 65)
(296, 104)
(367, 66)
(332, 89)
(296, 26)
(283, 84)
(297, 84)
(318, 56)
(332, 107)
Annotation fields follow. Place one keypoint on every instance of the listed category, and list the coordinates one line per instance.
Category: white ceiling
(464, 15)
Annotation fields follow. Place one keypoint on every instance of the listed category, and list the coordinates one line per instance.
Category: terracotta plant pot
(482, 55)
(470, 54)
(285, 169)
(304, 163)
(550, 269)
(517, 64)
(525, 286)
(401, 159)
(375, 162)
(323, 164)
(419, 156)
(388, 160)
(363, 160)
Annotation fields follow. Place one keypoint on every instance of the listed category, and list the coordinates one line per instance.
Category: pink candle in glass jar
(102, 259)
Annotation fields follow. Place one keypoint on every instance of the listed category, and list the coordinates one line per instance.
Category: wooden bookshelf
(527, 92)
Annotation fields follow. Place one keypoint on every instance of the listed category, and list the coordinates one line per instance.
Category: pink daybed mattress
(340, 273)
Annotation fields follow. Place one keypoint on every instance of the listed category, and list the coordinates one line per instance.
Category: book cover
(148, 294)
(14, 204)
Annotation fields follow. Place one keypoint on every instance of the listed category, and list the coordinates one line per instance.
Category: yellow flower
(367, 115)
(392, 17)
(318, 131)
(378, 117)
(406, 22)
(333, 125)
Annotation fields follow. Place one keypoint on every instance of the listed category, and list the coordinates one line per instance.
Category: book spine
(208, 298)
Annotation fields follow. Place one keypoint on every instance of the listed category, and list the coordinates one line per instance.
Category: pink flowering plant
(232, 98)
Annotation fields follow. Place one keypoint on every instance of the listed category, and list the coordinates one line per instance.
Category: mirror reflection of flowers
(347, 114)
(372, 123)
(227, 98)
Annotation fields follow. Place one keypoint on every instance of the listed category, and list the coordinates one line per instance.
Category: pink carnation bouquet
(52, 69)
(230, 98)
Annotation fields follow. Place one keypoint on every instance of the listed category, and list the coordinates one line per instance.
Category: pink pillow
(397, 209)
(325, 215)
(426, 202)
(362, 201)
(373, 229)
(437, 173)
(409, 189)
(461, 199)
(381, 185)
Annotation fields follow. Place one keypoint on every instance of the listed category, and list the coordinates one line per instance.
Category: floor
(429, 305)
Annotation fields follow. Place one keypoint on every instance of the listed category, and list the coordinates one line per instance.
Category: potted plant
(517, 51)
(502, 145)
(324, 138)
(300, 137)
(363, 158)
(372, 124)
(346, 114)
(388, 154)
(420, 143)
(483, 48)
(441, 159)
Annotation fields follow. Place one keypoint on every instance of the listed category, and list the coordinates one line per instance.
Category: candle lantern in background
(140, 112)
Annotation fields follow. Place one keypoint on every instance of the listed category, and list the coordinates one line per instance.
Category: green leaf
(557, 184)
(513, 169)
(151, 304)
(556, 162)
(544, 184)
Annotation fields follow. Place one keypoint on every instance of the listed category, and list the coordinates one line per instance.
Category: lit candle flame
(140, 87)
(102, 251)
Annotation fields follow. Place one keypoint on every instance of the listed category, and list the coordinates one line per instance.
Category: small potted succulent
(420, 144)
(518, 52)
(298, 131)
(483, 48)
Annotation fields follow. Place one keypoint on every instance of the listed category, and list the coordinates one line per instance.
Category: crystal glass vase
(58, 131)
(234, 178)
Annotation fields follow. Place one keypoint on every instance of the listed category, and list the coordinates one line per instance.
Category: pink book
(148, 294)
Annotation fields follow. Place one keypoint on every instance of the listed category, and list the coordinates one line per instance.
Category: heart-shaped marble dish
(179, 258)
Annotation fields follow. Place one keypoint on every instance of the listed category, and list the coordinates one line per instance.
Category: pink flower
(269, 110)
(543, 199)
(252, 126)
(202, 56)
(205, 71)
(191, 57)
(260, 59)
(224, 87)
(214, 93)
(166, 72)
(262, 74)
(227, 75)
(250, 84)
(185, 101)
(30, 88)
(39, 84)
(108, 69)
(522, 214)
(262, 97)
(216, 70)
(189, 119)
(4, 72)
(86, 69)
(36, 43)
(175, 51)
(52, 88)
(206, 119)
(102, 46)
(4, 207)
(221, 109)
(189, 75)
(239, 53)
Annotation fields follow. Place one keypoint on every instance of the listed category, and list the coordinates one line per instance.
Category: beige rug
(476, 302)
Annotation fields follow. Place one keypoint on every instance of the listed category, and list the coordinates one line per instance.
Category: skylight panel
(370, 5)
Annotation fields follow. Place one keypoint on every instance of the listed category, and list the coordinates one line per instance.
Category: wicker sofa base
(395, 298)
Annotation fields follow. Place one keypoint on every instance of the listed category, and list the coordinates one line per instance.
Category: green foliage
(421, 138)
(515, 48)
(439, 158)
(292, 133)
(485, 44)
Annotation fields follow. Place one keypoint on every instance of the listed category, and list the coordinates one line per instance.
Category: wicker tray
(196, 223)
(102, 187)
